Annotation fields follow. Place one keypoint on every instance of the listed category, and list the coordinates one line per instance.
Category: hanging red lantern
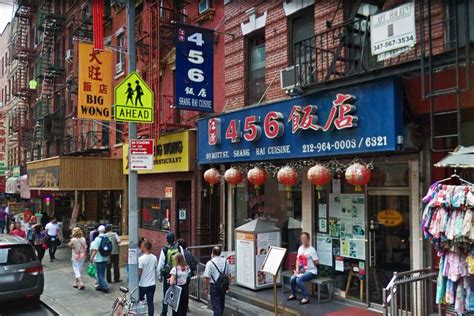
(257, 177)
(212, 176)
(358, 175)
(319, 175)
(233, 177)
(288, 177)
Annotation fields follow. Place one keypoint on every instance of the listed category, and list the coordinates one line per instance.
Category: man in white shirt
(214, 268)
(147, 264)
(53, 231)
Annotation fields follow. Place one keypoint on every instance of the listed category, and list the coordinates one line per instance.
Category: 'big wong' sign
(360, 119)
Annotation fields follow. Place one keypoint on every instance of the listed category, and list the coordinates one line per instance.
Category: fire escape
(21, 54)
(155, 45)
(47, 71)
(342, 51)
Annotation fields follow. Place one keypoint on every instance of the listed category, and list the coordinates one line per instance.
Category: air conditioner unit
(204, 5)
(289, 77)
(118, 68)
(69, 55)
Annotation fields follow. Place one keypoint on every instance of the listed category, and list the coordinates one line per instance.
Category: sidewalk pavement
(66, 300)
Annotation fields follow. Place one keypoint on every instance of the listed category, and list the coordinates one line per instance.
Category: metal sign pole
(132, 174)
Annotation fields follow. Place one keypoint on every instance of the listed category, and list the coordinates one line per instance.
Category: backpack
(222, 283)
(105, 247)
(170, 262)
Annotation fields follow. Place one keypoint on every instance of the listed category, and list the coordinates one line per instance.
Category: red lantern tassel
(98, 17)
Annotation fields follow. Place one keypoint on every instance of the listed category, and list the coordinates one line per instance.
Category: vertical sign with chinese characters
(194, 69)
(95, 83)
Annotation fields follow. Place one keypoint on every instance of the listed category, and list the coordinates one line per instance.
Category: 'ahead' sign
(134, 100)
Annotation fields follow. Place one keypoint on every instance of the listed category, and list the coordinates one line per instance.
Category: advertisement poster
(335, 205)
(358, 229)
(323, 210)
(264, 242)
(346, 205)
(353, 249)
(346, 228)
(334, 228)
(324, 249)
(358, 206)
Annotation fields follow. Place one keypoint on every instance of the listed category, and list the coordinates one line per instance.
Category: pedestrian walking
(147, 265)
(114, 256)
(217, 278)
(179, 277)
(78, 255)
(44, 219)
(38, 240)
(18, 231)
(192, 264)
(167, 262)
(54, 237)
(3, 220)
(101, 250)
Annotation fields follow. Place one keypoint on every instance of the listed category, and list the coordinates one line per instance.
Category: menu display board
(346, 228)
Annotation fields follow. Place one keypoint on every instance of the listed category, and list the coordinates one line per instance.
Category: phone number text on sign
(361, 143)
(194, 68)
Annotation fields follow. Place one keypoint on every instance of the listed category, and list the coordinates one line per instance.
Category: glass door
(389, 238)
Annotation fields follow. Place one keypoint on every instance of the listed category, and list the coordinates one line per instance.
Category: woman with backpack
(179, 277)
(38, 240)
(78, 255)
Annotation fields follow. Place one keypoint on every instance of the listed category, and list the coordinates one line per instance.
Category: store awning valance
(12, 185)
(75, 173)
(461, 157)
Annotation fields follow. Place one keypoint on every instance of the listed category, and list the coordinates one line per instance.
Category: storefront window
(274, 203)
(155, 213)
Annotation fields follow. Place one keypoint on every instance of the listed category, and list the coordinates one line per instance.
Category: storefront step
(236, 307)
(254, 298)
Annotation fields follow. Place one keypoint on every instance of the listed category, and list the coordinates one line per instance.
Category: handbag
(91, 270)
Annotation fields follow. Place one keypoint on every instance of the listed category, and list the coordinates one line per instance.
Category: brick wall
(276, 42)
(153, 186)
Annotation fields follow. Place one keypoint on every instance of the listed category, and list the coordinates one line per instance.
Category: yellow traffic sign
(134, 100)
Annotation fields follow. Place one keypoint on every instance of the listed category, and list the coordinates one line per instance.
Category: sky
(6, 13)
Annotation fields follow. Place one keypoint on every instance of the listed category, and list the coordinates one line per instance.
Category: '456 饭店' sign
(359, 119)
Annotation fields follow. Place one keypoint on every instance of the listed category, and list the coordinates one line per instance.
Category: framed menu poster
(273, 260)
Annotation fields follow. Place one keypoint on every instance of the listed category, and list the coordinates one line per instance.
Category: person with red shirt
(17, 231)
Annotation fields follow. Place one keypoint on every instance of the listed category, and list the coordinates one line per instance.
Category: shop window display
(272, 202)
(155, 213)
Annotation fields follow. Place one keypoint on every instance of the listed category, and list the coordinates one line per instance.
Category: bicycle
(125, 304)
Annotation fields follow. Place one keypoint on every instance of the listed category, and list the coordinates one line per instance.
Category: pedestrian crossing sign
(134, 101)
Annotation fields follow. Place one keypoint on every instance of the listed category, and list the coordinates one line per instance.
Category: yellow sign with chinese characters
(390, 218)
(95, 83)
(172, 153)
(134, 101)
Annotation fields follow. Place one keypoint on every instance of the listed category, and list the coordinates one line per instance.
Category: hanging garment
(466, 227)
(440, 283)
(459, 304)
(449, 297)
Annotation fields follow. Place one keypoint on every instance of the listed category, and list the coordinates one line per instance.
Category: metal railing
(197, 283)
(408, 293)
(344, 50)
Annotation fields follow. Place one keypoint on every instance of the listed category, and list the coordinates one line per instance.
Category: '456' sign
(194, 68)
(272, 124)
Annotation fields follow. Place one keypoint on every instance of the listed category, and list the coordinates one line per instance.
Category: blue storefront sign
(366, 118)
(194, 68)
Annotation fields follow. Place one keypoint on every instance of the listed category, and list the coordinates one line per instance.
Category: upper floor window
(256, 68)
(120, 55)
(301, 27)
(456, 13)
(204, 5)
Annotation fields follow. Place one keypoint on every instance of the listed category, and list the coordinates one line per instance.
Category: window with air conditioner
(204, 5)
